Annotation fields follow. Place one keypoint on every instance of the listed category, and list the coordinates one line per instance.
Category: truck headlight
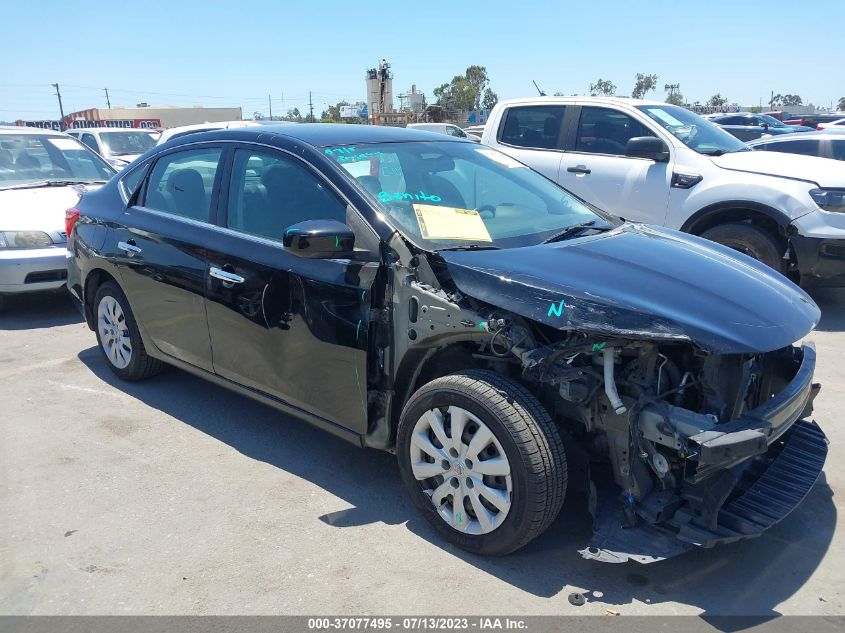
(24, 239)
(829, 199)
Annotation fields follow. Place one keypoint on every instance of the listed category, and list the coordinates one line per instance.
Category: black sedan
(438, 299)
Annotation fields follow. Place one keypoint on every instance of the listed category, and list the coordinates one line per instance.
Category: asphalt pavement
(174, 496)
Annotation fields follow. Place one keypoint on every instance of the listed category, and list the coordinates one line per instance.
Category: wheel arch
(733, 211)
(421, 366)
(95, 278)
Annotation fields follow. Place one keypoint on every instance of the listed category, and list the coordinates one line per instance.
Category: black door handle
(580, 169)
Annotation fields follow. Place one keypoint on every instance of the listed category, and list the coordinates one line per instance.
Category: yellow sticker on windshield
(450, 223)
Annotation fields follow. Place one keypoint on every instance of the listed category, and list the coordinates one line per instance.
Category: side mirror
(649, 147)
(765, 125)
(319, 239)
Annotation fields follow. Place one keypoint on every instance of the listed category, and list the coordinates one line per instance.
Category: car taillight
(71, 217)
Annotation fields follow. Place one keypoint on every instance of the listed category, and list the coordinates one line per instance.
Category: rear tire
(750, 240)
(118, 336)
(503, 430)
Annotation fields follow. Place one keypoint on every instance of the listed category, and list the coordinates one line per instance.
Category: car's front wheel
(750, 240)
(482, 461)
(118, 335)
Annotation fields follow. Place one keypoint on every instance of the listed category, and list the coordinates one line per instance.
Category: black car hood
(638, 281)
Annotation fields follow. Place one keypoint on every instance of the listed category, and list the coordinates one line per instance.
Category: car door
(161, 254)
(595, 166)
(533, 134)
(287, 326)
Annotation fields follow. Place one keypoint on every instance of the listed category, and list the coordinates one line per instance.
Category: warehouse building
(147, 116)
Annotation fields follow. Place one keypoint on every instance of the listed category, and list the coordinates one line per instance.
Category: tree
(675, 98)
(785, 101)
(332, 113)
(294, 115)
(841, 104)
(489, 100)
(465, 92)
(644, 85)
(603, 88)
(717, 101)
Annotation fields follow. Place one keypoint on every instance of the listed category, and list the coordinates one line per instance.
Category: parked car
(42, 173)
(426, 295)
(658, 163)
(476, 130)
(821, 144)
(183, 130)
(838, 123)
(814, 120)
(747, 126)
(445, 128)
(780, 115)
(119, 146)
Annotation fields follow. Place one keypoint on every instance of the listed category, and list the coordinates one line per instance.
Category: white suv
(649, 161)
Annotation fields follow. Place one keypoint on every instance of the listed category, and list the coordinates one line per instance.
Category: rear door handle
(225, 276)
(578, 169)
(129, 248)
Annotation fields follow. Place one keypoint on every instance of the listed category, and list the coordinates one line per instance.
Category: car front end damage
(703, 448)
(684, 405)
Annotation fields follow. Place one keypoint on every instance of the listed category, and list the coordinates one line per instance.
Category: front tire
(118, 336)
(482, 461)
(749, 239)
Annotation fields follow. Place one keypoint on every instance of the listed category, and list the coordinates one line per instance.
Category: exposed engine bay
(673, 445)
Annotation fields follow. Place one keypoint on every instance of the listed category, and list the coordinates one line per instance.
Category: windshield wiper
(720, 152)
(471, 247)
(55, 183)
(574, 230)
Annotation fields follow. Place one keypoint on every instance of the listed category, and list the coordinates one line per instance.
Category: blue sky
(186, 52)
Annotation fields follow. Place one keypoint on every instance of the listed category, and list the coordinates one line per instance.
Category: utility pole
(310, 108)
(61, 109)
(108, 103)
(672, 88)
(270, 103)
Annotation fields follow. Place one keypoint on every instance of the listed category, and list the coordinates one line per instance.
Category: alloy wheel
(462, 468)
(114, 332)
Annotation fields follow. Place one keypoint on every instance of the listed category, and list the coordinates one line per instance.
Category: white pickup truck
(653, 162)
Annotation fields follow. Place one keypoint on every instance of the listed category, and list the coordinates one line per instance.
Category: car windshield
(29, 159)
(458, 195)
(694, 131)
(127, 142)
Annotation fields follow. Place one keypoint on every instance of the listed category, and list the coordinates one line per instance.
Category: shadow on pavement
(38, 310)
(746, 578)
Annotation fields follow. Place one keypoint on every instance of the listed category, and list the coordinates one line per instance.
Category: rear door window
(181, 183)
(533, 126)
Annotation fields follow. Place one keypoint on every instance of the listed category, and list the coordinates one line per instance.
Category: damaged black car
(437, 299)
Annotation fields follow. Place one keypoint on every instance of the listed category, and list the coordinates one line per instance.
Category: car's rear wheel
(118, 335)
(482, 461)
(749, 239)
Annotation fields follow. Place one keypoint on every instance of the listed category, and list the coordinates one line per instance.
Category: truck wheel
(118, 335)
(482, 461)
(750, 240)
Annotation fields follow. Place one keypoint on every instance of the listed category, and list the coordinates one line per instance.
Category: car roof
(618, 100)
(20, 129)
(821, 134)
(326, 134)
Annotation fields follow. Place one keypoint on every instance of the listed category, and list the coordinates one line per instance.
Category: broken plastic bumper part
(745, 476)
